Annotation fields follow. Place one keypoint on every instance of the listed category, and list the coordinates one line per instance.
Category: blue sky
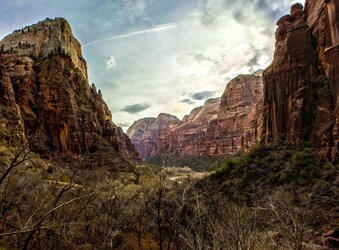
(152, 56)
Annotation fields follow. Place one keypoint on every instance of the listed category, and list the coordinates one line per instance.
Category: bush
(274, 165)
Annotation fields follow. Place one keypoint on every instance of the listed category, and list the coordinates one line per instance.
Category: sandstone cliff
(45, 90)
(238, 123)
(301, 84)
(149, 135)
(188, 139)
(223, 126)
(46, 37)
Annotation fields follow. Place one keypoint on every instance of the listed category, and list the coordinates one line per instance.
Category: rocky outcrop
(301, 84)
(188, 139)
(44, 78)
(44, 38)
(149, 135)
(238, 123)
(223, 126)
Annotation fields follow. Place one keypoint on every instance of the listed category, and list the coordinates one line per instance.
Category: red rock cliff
(238, 123)
(223, 126)
(149, 135)
(301, 84)
(188, 139)
(44, 86)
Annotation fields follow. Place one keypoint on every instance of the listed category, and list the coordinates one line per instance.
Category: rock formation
(149, 135)
(46, 95)
(301, 85)
(11, 122)
(238, 124)
(188, 139)
(221, 127)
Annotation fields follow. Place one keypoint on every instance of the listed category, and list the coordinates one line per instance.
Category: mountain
(301, 85)
(187, 139)
(223, 126)
(237, 126)
(150, 134)
(46, 100)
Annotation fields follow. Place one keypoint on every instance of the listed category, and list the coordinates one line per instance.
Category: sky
(153, 56)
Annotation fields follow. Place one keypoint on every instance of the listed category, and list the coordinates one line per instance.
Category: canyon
(48, 103)
(256, 168)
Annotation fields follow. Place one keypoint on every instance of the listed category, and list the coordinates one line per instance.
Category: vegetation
(276, 165)
(197, 163)
(58, 52)
(8, 51)
(61, 206)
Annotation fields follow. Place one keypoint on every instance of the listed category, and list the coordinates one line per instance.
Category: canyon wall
(48, 101)
(223, 126)
(301, 84)
(149, 135)
(238, 124)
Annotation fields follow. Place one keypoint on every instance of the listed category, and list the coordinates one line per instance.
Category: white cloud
(111, 63)
(193, 55)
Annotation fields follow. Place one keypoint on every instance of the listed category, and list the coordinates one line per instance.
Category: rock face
(11, 122)
(46, 37)
(188, 139)
(45, 90)
(149, 135)
(238, 124)
(301, 84)
(223, 126)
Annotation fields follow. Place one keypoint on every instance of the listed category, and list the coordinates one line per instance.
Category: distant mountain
(223, 126)
(149, 135)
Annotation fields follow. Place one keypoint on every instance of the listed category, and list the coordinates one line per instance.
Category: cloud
(111, 63)
(188, 101)
(244, 11)
(203, 95)
(254, 61)
(166, 66)
(158, 28)
(136, 108)
(123, 124)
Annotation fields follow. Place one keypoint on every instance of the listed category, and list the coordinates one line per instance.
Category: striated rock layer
(189, 139)
(223, 126)
(149, 135)
(238, 123)
(301, 84)
(45, 98)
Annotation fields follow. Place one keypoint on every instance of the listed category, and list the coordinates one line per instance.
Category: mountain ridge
(206, 131)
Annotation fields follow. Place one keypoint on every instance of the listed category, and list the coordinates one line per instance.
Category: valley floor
(274, 197)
